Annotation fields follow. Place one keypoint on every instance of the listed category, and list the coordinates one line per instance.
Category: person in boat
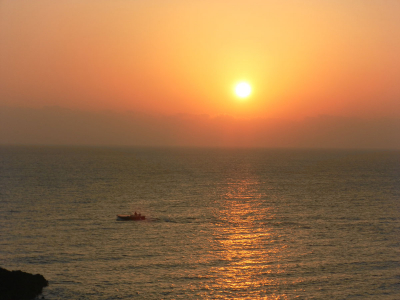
(135, 214)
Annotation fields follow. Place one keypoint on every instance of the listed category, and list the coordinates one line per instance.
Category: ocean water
(221, 223)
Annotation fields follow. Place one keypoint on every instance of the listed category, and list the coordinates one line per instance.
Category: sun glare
(243, 89)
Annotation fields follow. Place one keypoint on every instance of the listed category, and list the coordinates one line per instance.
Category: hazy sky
(303, 59)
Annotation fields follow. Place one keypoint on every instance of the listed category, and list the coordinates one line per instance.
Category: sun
(243, 90)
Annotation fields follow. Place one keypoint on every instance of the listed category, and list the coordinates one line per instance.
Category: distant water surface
(221, 223)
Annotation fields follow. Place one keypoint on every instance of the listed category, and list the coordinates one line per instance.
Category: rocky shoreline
(18, 285)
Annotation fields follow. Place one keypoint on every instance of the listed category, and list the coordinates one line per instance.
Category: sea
(220, 223)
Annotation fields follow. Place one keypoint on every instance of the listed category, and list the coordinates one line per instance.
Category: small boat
(136, 217)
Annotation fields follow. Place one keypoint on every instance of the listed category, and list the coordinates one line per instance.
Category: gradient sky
(303, 59)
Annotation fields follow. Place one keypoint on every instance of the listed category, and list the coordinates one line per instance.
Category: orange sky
(302, 58)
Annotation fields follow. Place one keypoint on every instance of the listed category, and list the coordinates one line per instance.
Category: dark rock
(18, 285)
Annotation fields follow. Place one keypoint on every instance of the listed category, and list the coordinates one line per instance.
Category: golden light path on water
(247, 245)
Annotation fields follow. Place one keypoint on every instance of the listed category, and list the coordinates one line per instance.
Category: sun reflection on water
(249, 254)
